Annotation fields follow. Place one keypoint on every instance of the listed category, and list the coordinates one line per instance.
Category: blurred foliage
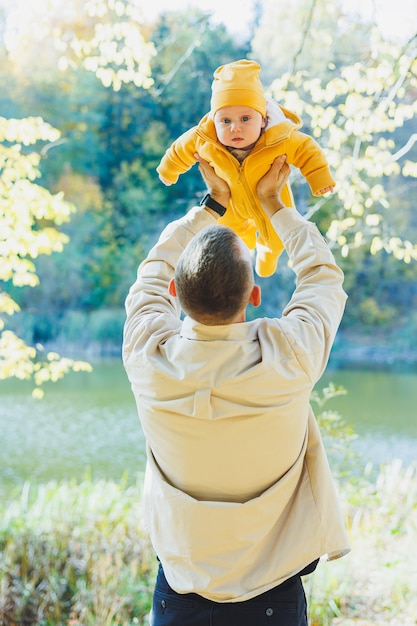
(75, 554)
(29, 220)
(338, 435)
(104, 37)
(355, 114)
(374, 584)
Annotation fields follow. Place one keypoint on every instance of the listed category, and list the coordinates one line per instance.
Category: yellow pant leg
(269, 246)
(245, 229)
(268, 252)
(259, 234)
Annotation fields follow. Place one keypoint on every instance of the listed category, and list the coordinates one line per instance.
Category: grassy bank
(377, 582)
(75, 554)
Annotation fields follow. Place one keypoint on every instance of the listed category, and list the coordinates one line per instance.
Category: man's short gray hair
(213, 277)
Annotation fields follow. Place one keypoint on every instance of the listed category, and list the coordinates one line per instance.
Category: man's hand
(216, 186)
(271, 184)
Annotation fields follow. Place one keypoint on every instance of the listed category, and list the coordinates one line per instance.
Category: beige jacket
(238, 494)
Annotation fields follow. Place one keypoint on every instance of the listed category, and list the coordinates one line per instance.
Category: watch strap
(209, 202)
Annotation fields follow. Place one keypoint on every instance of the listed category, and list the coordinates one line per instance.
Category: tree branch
(306, 31)
(410, 143)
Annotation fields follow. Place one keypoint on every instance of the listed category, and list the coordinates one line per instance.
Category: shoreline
(344, 354)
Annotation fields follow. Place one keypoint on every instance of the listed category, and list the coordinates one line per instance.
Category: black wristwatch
(212, 204)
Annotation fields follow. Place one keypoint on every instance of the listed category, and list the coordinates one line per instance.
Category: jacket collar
(244, 331)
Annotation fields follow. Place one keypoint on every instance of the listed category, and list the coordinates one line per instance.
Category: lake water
(87, 424)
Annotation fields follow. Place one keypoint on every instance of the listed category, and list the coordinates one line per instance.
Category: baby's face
(238, 126)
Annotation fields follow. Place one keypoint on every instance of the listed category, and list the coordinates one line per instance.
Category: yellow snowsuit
(244, 213)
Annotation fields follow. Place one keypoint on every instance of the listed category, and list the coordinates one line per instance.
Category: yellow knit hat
(238, 83)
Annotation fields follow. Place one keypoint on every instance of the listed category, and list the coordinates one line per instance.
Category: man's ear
(255, 295)
(172, 289)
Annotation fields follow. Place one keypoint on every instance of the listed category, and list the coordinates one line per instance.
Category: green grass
(75, 554)
(377, 582)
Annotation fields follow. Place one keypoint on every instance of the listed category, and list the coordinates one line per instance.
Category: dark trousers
(284, 605)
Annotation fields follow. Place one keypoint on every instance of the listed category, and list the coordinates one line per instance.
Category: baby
(240, 137)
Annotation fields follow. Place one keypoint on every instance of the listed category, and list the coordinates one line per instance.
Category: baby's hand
(325, 190)
(165, 181)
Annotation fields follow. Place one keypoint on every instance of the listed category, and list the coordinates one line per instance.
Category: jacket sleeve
(312, 317)
(179, 157)
(305, 153)
(152, 314)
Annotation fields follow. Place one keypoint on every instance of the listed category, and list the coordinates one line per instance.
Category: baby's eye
(245, 118)
(226, 120)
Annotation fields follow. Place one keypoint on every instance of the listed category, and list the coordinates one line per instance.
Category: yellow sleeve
(305, 153)
(179, 157)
